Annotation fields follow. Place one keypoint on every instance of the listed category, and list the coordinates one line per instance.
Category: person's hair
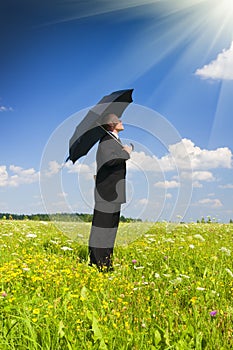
(110, 126)
(109, 120)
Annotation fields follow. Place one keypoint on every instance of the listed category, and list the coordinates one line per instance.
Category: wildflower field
(171, 288)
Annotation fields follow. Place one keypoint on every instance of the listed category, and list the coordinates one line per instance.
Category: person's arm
(113, 154)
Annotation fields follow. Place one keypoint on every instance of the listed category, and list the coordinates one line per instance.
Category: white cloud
(197, 184)
(85, 172)
(167, 184)
(213, 203)
(184, 155)
(80, 168)
(220, 68)
(5, 109)
(198, 176)
(141, 161)
(3, 176)
(227, 186)
(16, 176)
(62, 194)
(143, 201)
(200, 159)
(54, 168)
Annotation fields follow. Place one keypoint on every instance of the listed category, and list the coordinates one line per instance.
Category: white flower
(185, 276)
(150, 240)
(200, 288)
(66, 248)
(176, 280)
(191, 246)
(202, 239)
(54, 242)
(230, 272)
(169, 240)
(166, 275)
(7, 234)
(138, 267)
(225, 250)
(157, 275)
(31, 235)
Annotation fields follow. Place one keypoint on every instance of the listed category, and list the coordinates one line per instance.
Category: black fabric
(101, 257)
(109, 195)
(102, 237)
(111, 171)
(88, 132)
(105, 220)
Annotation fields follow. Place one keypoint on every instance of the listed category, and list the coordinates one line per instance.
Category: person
(110, 193)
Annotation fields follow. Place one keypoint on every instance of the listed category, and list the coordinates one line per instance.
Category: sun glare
(225, 9)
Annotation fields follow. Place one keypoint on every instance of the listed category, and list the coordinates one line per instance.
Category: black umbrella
(90, 130)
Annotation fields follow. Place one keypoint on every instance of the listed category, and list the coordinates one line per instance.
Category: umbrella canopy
(90, 130)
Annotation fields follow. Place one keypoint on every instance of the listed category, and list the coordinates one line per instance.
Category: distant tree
(122, 218)
(203, 220)
(68, 217)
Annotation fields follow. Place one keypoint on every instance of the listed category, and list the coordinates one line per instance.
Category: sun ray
(222, 118)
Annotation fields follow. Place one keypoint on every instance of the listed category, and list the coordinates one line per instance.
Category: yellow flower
(36, 311)
(11, 299)
(193, 300)
(127, 325)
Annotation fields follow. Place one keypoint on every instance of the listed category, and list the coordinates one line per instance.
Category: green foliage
(62, 217)
(171, 289)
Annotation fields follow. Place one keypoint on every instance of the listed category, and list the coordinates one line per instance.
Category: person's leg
(103, 234)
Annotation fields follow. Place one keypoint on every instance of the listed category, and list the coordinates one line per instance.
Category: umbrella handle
(132, 146)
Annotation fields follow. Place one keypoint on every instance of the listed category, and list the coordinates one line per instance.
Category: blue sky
(60, 58)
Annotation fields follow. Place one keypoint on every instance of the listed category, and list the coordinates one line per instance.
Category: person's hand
(128, 149)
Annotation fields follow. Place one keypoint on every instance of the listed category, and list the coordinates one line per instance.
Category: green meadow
(171, 288)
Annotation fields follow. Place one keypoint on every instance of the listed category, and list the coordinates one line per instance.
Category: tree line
(70, 217)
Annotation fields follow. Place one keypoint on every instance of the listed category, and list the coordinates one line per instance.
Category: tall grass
(171, 288)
